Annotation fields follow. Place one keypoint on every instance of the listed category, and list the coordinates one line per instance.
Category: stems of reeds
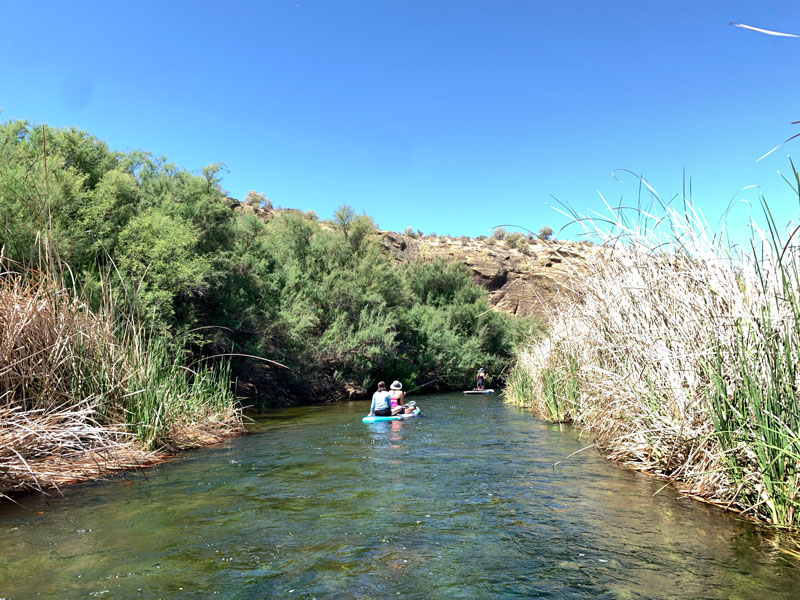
(682, 358)
(82, 391)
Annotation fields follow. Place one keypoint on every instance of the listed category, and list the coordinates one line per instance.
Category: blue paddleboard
(401, 417)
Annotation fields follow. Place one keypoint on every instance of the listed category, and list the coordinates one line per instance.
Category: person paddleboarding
(481, 382)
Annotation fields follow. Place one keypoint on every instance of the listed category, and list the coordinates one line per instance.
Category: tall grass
(83, 392)
(682, 358)
(172, 406)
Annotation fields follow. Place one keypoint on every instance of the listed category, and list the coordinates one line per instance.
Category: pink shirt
(395, 395)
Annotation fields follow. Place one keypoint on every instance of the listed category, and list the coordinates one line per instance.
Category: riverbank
(84, 393)
(681, 360)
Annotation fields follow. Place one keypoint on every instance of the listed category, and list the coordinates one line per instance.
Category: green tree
(343, 218)
(157, 255)
(328, 303)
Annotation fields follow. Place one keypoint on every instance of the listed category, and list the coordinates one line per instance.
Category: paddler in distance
(481, 383)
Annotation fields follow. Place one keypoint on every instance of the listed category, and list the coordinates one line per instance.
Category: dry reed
(653, 361)
(74, 388)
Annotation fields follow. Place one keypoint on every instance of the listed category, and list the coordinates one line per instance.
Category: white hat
(396, 385)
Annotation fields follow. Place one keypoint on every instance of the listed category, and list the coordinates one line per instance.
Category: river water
(463, 502)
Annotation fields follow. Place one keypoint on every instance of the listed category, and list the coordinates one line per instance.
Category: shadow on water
(463, 502)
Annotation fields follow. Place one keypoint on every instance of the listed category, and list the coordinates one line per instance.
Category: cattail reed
(83, 392)
(682, 358)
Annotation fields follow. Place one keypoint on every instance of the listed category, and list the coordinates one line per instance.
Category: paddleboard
(479, 391)
(401, 417)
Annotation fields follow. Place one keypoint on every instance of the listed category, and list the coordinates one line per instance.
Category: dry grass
(77, 392)
(44, 448)
(671, 329)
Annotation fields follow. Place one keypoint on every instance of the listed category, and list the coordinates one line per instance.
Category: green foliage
(343, 218)
(165, 396)
(517, 241)
(545, 233)
(158, 253)
(756, 416)
(498, 233)
(361, 228)
(206, 271)
(560, 389)
(111, 205)
(437, 282)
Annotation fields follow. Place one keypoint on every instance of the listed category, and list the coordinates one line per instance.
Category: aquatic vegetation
(83, 391)
(682, 358)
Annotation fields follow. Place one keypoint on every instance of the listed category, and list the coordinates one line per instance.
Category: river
(463, 502)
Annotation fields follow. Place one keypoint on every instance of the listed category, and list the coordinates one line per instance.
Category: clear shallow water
(462, 503)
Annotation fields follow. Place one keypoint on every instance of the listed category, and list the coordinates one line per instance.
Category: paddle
(422, 386)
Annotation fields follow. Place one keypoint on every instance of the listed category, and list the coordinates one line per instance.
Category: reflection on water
(462, 503)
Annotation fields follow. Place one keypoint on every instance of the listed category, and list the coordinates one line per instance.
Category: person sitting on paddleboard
(481, 384)
(381, 403)
(397, 396)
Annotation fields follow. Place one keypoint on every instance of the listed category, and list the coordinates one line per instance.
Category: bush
(517, 241)
(681, 358)
(253, 198)
(322, 300)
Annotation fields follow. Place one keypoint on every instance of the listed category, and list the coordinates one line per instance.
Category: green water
(461, 503)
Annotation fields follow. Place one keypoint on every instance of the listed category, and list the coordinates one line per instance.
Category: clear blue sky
(448, 116)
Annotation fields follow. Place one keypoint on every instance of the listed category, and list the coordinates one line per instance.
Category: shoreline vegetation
(85, 393)
(682, 358)
(141, 309)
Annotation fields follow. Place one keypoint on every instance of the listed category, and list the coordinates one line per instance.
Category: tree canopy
(215, 277)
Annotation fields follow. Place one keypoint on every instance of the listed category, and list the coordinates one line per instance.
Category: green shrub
(545, 233)
(499, 233)
(517, 241)
(207, 272)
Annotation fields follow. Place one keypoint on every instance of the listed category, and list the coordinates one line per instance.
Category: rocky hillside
(528, 279)
(523, 277)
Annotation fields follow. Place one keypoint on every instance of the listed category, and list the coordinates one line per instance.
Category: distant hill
(524, 277)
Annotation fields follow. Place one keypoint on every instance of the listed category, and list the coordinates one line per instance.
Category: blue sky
(449, 116)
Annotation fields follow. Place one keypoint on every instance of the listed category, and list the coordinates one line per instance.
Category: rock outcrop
(523, 277)
(530, 281)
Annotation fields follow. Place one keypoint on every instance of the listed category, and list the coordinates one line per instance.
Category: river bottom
(464, 502)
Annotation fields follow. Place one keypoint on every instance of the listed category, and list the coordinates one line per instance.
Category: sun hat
(396, 385)
(480, 370)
